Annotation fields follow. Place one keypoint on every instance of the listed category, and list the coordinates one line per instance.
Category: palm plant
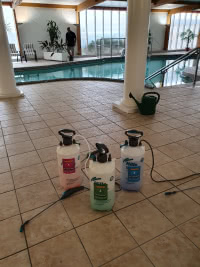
(53, 30)
(188, 36)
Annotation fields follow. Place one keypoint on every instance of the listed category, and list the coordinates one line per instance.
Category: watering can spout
(136, 101)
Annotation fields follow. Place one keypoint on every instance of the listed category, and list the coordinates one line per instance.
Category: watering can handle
(154, 93)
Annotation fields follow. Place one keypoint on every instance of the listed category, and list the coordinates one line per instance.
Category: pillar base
(16, 93)
(124, 108)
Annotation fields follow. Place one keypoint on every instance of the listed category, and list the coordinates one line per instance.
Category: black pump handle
(154, 93)
(65, 131)
(102, 149)
(130, 132)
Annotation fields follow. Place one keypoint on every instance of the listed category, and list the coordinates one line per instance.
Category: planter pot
(56, 56)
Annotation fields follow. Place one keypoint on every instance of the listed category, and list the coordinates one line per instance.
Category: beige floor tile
(191, 162)
(193, 193)
(82, 125)
(19, 148)
(110, 128)
(20, 259)
(175, 123)
(144, 221)
(16, 138)
(35, 196)
(3, 153)
(35, 125)
(156, 140)
(63, 250)
(4, 165)
(128, 124)
(8, 205)
(193, 144)
(174, 135)
(24, 160)
(58, 187)
(31, 119)
(177, 208)
(126, 198)
(175, 151)
(150, 188)
(52, 222)
(11, 240)
(30, 113)
(158, 127)
(13, 129)
(79, 209)
(45, 142)
(44, 110)
(135, 257)
(173, 170)
(159, 158)
(41, 133)
(91, 115)
(50, 116)
(55, 122)
(191, 130)
(90, 132)
(47, 154)
(115, 151)
(100, 121)
(172, 249)
(119, 137)
(1, 141)
(105, 139)
(74, 118)
(9, 123)
(1, 133)
(52, 168)
(108, 245)
(29, 175)
(192, 230)
(6, 183)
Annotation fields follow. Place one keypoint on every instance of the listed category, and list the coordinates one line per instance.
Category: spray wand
(65, 195)
(170, 180)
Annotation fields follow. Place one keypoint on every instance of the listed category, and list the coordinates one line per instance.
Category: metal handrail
(175, 62)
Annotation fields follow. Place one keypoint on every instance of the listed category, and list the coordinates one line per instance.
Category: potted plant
(187, 36)
(55, 49)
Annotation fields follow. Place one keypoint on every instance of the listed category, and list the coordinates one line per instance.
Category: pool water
(94, 69)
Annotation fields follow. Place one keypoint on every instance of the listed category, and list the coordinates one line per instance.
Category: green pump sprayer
(148, 103)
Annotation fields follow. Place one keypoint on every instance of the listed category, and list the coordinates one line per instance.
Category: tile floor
(145, 228)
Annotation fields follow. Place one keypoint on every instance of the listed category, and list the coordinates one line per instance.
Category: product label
(100, 191)
(68, 166)
(133, 174)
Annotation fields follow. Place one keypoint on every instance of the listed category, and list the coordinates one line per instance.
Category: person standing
(71, 42)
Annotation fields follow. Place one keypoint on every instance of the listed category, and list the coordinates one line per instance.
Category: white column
(136, 53)
(7, 79)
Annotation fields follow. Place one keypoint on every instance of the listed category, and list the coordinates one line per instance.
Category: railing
(195, 51)
(112, 42)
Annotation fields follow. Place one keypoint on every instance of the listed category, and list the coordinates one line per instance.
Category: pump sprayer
(68, 155)
(132, 161)
(102, 179)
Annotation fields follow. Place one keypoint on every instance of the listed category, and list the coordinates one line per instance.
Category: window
(83, 32)
(10, 26)
(91, 32)
(180, 22)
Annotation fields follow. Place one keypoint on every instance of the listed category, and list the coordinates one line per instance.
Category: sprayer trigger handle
(65, 131)
(130, 132)
(102, 149)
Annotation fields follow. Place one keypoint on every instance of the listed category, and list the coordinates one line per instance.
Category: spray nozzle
(67, 136)
(102, 152)
(134, 136)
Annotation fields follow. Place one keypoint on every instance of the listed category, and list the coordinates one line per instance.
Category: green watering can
(148, 104)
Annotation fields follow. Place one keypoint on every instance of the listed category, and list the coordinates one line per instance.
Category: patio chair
(14, 52)
(29, 51)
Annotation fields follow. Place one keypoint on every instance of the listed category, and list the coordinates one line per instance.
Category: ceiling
(59, 2)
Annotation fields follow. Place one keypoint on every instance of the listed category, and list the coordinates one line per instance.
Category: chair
(29, 51)
(14, 52)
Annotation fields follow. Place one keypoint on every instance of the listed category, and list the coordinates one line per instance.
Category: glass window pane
(83, 32)
(91, 32)
(107, 24)
(99, 24)
(10, 26)
(115, 24)
(123, 15)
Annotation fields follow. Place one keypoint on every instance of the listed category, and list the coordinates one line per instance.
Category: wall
(34, 20)
(158, 20)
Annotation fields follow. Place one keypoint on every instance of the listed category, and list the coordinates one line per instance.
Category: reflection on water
(110, 70)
